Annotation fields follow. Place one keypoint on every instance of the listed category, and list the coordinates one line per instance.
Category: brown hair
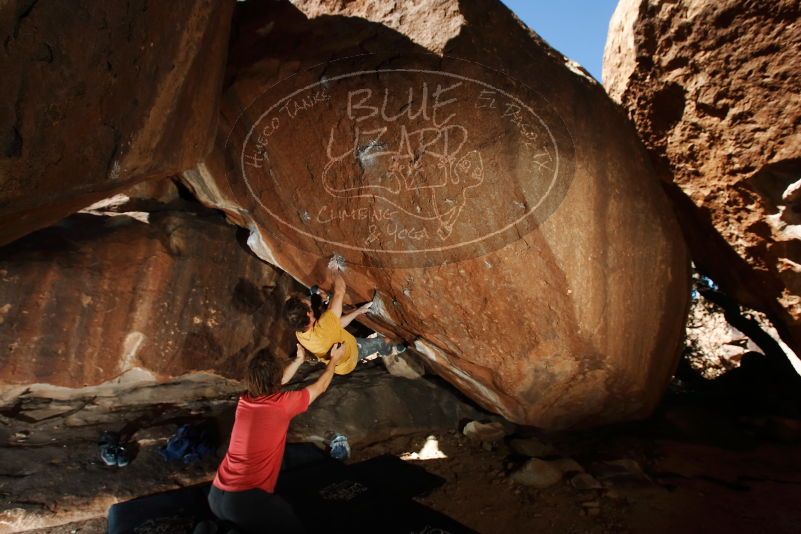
(263, 375)
(295, 313)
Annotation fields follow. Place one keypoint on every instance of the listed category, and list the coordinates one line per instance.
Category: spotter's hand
(336, 353)
(364, 308)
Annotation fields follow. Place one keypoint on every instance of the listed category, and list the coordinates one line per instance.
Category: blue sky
(577, 28)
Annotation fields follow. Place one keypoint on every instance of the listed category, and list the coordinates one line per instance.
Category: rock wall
(505, 212)
(371, 405)
(712, 88)
(94, 296)
(99, 95)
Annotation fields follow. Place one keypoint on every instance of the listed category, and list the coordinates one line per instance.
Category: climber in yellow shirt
(319, 334)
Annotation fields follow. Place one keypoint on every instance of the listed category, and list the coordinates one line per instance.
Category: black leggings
(254, 511)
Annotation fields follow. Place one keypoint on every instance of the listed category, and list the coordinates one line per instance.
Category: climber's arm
(322, 383)
(345, 320)
(335, 305)
(292, 368)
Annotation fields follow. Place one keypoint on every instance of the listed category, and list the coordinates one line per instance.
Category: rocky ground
(51, 472)
(700, 464)
(684, 486)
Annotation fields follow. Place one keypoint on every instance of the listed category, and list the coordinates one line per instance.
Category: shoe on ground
(123, 456)
(108, 453)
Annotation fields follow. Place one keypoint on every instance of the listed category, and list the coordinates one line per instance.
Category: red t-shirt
(258, 440)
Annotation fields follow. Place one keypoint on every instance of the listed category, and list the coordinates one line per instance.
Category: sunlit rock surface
(500, 204)
(95, 96)
(95, 296)
(712, 88)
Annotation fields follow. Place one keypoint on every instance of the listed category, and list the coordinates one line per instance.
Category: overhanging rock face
(96, 96)
(494, 197)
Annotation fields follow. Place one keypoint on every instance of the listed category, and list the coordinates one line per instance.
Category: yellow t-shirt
(323, 335)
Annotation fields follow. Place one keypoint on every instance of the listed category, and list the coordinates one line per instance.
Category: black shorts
(254, 511)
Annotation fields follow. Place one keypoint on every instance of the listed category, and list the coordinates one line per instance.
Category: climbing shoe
(108, 444)
(123, 456)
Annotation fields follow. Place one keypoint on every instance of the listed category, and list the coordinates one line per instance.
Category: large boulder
(99, 95)
(372, 405)
(712, 88)
(499, 204)
(95, 296)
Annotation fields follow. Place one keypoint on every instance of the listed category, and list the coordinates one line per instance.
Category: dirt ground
(715, 457)
(700, 472)
(687, 488)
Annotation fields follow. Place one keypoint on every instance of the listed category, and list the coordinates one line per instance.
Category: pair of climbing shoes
(112, 450)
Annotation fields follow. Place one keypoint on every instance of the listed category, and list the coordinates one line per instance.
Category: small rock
(591, 504)
(630, 466)
(484, 432)
(537, 473)
(593, 511)
(585, 481)
(623, 469)
(567, 465)
(531, 447)
(404, 365)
